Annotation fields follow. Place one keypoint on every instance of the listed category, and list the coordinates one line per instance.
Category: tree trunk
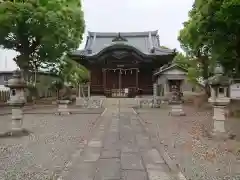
(205, 73)
(57, 92)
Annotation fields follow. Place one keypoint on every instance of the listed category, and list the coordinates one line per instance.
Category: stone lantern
(176, 103)
(219, 99)
(17, 100)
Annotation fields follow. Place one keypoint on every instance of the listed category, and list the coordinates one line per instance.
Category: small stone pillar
(155, 102)
(17, 101)
(219, 99)
(79, 98)
(176, 103)
(63, 108)
(89, 90)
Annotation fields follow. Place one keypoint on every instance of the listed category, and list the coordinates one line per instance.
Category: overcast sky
(166, 16)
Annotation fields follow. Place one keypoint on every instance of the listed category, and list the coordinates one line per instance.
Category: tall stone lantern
(17, 100)
(219, 99)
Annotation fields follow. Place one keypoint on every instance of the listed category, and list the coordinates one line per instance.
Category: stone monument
(63, 103)
(17, 102)
(156, 103)
(176, 103)
(219, 99)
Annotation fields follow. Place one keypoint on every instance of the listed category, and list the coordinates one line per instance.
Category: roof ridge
(113, 34)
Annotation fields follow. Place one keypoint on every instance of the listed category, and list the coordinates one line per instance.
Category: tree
(222, 27)
(182, 60)
(190, 64)
(194, 41)
(70, 73)
(40, 31)
(74, 73)
(214, 26)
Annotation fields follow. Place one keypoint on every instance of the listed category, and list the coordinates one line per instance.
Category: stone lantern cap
(17, 81)
(218, 79)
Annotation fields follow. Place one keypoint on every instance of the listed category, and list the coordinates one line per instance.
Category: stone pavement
(119, 149)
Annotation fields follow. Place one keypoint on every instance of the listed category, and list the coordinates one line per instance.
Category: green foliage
(194, 43)
(40, 31)
(182, 60)
(212, 34)
(190, 64)
(33, 91)
(72, 72)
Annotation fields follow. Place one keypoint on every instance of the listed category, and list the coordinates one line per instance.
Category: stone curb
(156, 144)
(28, 111)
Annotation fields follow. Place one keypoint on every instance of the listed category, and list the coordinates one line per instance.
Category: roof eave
(169, 68)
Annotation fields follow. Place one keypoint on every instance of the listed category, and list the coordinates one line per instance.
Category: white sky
(166, 16)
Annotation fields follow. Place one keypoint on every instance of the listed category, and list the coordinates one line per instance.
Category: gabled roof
(145, 42)
(167, 68)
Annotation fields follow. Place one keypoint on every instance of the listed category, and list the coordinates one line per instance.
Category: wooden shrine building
(120, 62)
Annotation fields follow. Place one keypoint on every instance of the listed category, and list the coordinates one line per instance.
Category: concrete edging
(28, 111)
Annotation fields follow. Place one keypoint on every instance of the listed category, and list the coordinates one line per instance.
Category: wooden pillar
(104, 79)
(120, 79)
(137, 71)
(89, 90)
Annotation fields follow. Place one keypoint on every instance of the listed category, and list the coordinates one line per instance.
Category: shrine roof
(168, 67)
(147, 43)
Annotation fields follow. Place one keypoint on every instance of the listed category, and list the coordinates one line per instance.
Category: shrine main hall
(120, 61)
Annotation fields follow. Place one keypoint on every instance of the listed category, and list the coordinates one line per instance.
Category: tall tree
(70, 73)
(40, 31)
(194, 41)
(222, 27)
(214, 27)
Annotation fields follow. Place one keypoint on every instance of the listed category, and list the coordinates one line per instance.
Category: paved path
(119, 149)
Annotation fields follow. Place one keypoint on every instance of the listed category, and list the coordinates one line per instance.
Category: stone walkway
(119, 149)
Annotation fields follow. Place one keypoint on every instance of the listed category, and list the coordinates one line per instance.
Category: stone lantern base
(219, 119)
(79, 101)
(63, 107)
(16, 126)
(176, 109)
(17, 118)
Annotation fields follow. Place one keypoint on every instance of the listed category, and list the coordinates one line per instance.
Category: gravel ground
(186, 139)
(48, 149)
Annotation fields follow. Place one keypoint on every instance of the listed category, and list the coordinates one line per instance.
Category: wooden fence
(4, 95)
